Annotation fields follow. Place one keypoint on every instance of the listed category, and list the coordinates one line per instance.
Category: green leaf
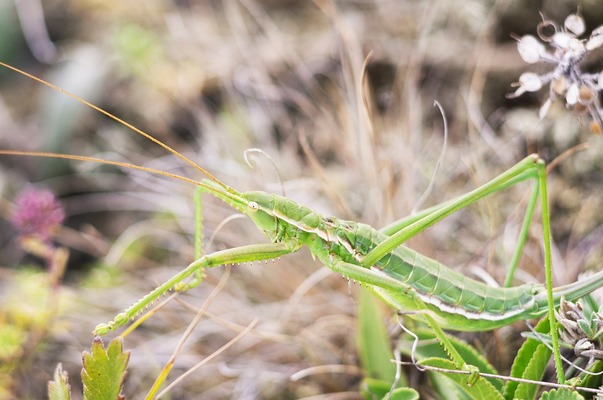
(533, 371)
(446, 388)
(374, 388)
(523, 359)
(59, 388)
(482, 389)
(593, 380)
(586, 327)
(374, 348)
(428, 347)
(404, 394)
(104, 370)
(561, 394)
(378, 389)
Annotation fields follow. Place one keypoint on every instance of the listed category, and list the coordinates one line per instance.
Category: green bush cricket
(403, 278)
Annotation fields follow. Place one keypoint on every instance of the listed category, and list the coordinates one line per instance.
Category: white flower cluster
(580, 90)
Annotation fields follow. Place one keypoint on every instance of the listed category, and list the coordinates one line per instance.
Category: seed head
(581, 331)
(565, 51)
(530, 49)
(575, 24)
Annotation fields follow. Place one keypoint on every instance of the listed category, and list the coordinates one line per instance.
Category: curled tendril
(543, 27)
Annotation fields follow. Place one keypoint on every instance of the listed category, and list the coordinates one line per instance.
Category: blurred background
(339, 96)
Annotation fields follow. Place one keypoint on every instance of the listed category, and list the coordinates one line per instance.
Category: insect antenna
(122, 122)
(109, 162)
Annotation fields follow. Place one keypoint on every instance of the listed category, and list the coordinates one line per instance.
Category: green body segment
(454, 301)
(457, 302)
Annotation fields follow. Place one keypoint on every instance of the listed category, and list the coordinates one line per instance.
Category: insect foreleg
(523, 237)
(243, 254)
(198, 244)
(198, 241)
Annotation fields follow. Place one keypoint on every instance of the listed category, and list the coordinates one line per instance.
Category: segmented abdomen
(435, 283)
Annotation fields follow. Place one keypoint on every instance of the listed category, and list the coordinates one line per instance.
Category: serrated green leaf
(482, 389)
(104, 370)
(374, 348)
(561, 394)
(533, 371)
(59, 388)
(522, 359)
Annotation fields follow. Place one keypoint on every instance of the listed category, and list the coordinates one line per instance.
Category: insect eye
(253, 206)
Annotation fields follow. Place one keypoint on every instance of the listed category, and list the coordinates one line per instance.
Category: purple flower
(37, 213)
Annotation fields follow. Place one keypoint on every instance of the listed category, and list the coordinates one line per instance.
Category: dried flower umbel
(566, 80)
(582, 332)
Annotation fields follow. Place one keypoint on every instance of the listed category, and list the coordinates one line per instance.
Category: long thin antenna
(121, 121)
(103, 161)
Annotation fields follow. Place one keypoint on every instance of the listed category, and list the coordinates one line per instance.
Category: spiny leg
(197, 242)
(523, 237)
(374, 279)
(162, 376)
(424, 215)
(243, 254)
(454, 355)
(407, 228)
(196, 279)
(548, 268)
